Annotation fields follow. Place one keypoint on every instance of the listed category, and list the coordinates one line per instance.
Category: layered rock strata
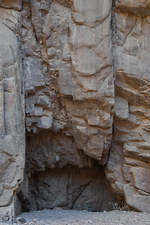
(128, 168)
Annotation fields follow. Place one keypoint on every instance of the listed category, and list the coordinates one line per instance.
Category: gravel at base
(73, 217)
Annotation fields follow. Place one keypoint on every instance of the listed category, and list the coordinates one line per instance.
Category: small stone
(5, 218)
(21, 220)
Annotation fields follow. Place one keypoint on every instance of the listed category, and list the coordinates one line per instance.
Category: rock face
(128, 167)
(12, 132)
(69, 88)
(64, 72)
(81, 71)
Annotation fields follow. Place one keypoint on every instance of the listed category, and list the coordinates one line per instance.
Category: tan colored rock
(77, 71)
(11, 4)
(69, 86)
(134, 6)
(128, 167)
(86, 82)
(12, 133)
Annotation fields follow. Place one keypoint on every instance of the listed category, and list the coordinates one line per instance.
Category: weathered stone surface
(68, 83)
(85, 70)
(128, 168)
(11, 4)
(71, 72)
(137, 7)
(12, 133)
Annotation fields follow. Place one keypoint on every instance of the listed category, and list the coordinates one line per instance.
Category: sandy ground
(73, 217)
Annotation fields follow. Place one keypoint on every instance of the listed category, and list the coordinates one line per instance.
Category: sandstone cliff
(74, 82)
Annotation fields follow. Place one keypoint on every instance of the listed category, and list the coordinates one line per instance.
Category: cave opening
(59, 175)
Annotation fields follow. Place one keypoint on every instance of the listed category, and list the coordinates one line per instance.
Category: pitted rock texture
(80, 68)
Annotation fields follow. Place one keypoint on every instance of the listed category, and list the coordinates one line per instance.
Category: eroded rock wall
(128, 169)
(82, 69)
(68, 72)
(69, 87)
(12, 132)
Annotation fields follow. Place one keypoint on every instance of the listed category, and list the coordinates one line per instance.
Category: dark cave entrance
(56, 175)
